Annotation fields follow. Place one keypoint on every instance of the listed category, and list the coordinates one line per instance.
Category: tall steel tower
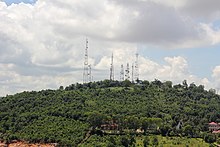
(86, 66)
(122, 73)
(127, 72)
(112, 69)
(90, 73)
(136, 74)
(132, 73)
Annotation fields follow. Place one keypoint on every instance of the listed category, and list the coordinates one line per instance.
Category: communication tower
(122, 73)
(132, 73)
(136, 74)
(90, 73)
(127, 72)
(86, 66)
(112, 69)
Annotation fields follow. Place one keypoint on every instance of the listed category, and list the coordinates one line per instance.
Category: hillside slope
(64, 116)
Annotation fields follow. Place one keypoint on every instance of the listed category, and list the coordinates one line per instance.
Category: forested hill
(65, 115)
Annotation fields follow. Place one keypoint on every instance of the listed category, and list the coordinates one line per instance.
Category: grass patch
(173, 141)
(115, 140)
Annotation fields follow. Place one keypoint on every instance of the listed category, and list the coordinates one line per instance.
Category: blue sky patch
(9, 2)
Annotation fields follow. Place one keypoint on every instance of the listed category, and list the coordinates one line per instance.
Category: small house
(113, 126)
(213, 126)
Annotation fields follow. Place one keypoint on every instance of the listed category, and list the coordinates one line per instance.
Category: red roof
(212, 123)
(216, 131)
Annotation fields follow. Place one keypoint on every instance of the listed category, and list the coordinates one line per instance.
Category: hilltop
(66, 115)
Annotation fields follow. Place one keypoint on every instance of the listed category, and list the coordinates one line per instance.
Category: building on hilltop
(214, 127)
(113, 126)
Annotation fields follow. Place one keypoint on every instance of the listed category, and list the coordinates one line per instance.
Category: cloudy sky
(42, 42)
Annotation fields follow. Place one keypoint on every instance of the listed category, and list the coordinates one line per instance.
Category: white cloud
(213, 34)
(202, 9)
(216, 77)
(176, 69)
(42, 45)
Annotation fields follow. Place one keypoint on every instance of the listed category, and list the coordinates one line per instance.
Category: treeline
(65, 115)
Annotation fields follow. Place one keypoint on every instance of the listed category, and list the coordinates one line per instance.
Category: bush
(209, 138)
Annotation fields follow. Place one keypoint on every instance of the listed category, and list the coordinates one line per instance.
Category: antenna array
(86, 70)
(112, 69)
(136, 74)
(127, 73)
(90, 73)
(122, 73)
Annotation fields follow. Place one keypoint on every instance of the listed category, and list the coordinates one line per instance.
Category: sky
(42, 42)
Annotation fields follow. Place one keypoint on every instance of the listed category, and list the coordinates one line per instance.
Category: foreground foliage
(143, 141)
(65, 115)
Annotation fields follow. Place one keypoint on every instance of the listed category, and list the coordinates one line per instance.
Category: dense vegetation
(143, 141)
(65, 115)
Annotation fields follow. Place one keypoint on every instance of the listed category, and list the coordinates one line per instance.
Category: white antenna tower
(132, 73)
(127, 73)
(90, 73)
(86, 66)
(122, 73)
(136, 74)
(112, 69)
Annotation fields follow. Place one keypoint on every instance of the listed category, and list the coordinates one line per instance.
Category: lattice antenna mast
(112, 69)
(86, 66)
(132, 72)
(90, 73)
(122, 73)
(127, 72)
(136, 74)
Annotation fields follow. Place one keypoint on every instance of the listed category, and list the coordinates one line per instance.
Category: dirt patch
(24, 144)
(3, 144)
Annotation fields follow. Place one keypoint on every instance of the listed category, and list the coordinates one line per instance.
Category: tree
(192, 86)
(96, 119)
(112, 140)
(132, 140)
(212, 91)
(168, 84)
(35, 116)
(146, 141)
(187, 130)
(126, 83)
(209, 138)
(133, 122)
(155, 122)
(124, 141)
(146, 83)
(185, 85)
(61, 88)
(144, 123)
(165, 129)
(155, 141)
(157, 83)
